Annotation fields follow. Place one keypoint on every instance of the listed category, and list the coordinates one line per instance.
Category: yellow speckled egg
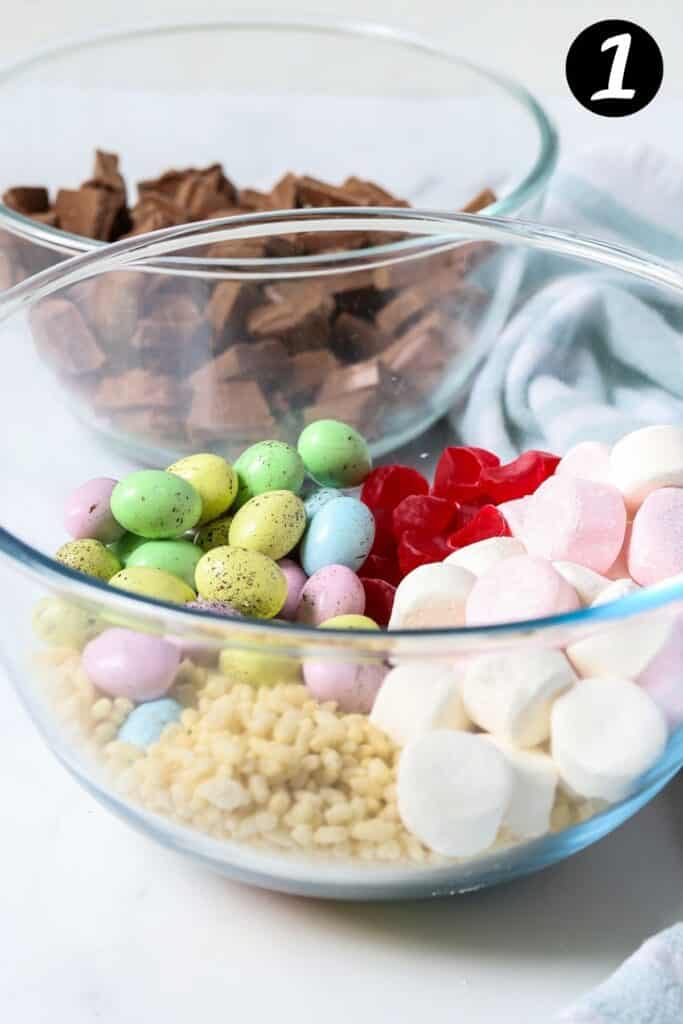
(248, 580)
(213, 478)
(214, 535)
(153, 583)
(259, 669)
(272, 523)
(62, 623)
(89, 557)
(349, 622)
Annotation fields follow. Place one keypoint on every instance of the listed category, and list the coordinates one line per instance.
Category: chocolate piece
(358, 408)
(149, 424)
(155, 211)
(363, 376)
(197, 191)
(334, 241)
(479, 202)
(354, 338)
(223, 305)
(6, 271)
(136, 389)
(106, 174)
(313, 192)
(237, 249)
(267, 360)
(113, 305)
(49, 218)
(235, 408)
(283, 193)
(90, 212)
(27, 200)
(407, 306)
(419, 354)
(64, 339)
(371, 194)
(306, 372)
(291, 304)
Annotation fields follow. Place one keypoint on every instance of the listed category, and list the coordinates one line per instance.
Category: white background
(98, 925)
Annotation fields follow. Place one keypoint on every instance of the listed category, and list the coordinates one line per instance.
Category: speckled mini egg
(349, 622)
(156, 583)
(87, 513)
(272, 523)
(217, 607)
(352, 685)
(213, 478)
(248, 580)
(145, 723)
(124, 663)
(89, 557)
(268, 466)
(341, 533)
(258, 668)
(154, 504)
(318, 499)
(296, 580)
(214, 535)
(61, 623)
(125, 546)
(177, 557)
(331, 591)
(334, 454)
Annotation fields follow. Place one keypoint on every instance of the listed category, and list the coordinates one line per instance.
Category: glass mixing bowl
(254, 778)
(265, 95)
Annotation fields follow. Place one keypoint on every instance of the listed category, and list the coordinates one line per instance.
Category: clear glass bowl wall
(278, 828)
(265, 96)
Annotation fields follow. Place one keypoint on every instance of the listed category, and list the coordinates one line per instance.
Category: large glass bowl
(255, 780)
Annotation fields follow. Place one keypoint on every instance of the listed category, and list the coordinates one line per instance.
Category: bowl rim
(444, 230)
(530, 186)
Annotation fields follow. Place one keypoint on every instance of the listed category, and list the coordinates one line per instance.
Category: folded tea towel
(590, 353)
(646, 989)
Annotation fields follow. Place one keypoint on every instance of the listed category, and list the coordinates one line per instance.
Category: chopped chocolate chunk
(155, 211)
(289, 305)
(63, 337)
(266, 360)
(136, 389)
(114, 305)
(197, 191)
(90, 212)
(306, 372)
(358, 408)
(362, 376)
(371, 194)
(49, 218)
(6, 271)
(406, 306)
(313, 192)
(354, 338)
(27, 199)
(479, 202)
(106, 173)
(233, 407)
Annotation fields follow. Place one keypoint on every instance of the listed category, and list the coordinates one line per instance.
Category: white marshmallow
(615, 591)
(511, 694)
(620, 649)
(432, 596)
(415, 699)
(605, 734)
(514, 512)
(587, 583)
(646, 460)
(480, 557)
(453, 791)
(533, 790)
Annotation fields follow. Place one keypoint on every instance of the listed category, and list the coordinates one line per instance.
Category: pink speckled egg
(296, 580)
(331, 591)
(124, 663)
(353, 685)
(87, 515)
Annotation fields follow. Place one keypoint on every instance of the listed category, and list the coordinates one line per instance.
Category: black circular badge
(614, 68)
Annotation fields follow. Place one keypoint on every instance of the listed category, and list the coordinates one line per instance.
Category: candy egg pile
(356, 755)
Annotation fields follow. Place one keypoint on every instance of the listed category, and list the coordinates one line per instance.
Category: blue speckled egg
(341, 533)
(318, 499)
(146, 722)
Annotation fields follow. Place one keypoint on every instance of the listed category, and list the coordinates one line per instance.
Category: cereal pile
(193, 361)
(360, 758)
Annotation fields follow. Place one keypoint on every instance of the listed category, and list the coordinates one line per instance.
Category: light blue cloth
(589, 354)
(646, 989)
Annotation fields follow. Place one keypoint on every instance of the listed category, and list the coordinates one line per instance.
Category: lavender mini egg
(331, 591)
(87, 514)
(124, 663)
(296, 580)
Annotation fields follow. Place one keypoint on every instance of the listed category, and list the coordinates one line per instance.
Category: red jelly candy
(458, 474)
(521, 477)
(387, 486)
(379, 600)
(381, 567)
(416, 548)
(485, 457)
(384, 542)
(425, 512)
(488, 522)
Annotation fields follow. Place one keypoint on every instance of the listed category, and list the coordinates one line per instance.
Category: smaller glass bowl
(248, 778)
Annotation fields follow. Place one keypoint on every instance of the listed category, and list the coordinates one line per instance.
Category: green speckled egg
(125, 546)
(155, 504)
(89, 557)
(60, 623)
(259, 669)
(177, 557)
(268, 466)
(272, 523)
(213, 478)
(156, 583)
(251, 582)
(214, 535)
(334, 454)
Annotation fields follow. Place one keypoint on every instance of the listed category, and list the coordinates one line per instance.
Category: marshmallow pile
(487, 739)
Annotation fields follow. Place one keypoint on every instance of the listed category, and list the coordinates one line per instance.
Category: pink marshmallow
(518, 589)
(587, 461)
(656, 549)
(513, 513)
(662, 678)
(620, 568)
(573, 520)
